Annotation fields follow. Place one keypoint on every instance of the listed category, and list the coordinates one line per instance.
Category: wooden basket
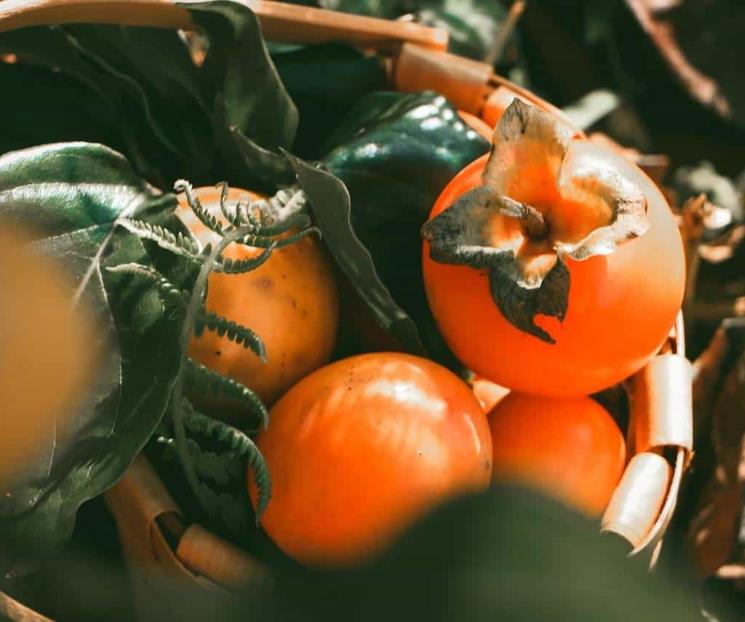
(155, 536)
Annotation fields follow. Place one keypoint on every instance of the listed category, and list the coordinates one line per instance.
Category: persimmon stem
(532, 220)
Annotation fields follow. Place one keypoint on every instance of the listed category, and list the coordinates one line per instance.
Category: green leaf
(154, 71)
(395, 153)
(138, 90)
(160, 124)
(246, 163)
(330, 205)
(74, 195)
(239, 70)
(325, 82)
(50, 102)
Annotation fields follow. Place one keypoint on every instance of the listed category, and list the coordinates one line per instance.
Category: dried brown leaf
(719, 407)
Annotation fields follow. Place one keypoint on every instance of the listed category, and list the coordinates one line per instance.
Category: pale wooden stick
(16, 612)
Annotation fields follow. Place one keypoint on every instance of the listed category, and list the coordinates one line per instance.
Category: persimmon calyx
(537, 206)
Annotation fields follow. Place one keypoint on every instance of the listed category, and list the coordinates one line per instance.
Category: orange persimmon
(552, 265)
(568, 447)
(291, 302)
(362, 447)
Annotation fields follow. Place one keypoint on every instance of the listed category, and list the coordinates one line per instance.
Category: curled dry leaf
(715, 534)
(542, 202)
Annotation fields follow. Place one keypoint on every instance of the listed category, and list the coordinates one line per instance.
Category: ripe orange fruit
(568, 447)
(360, 448)
(291, 302)
(554, 265)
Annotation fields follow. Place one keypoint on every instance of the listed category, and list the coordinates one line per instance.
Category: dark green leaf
(330, 205)
(40, 106)
(155, 72)
(73, 195)
(139, 91)
(239, 70)
(160, 124)
(396, 153)
(325, 82)
(246, 163)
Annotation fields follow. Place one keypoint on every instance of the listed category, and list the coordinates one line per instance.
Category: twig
(496, 51)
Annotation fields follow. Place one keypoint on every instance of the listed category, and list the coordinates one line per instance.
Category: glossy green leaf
(139, 91)
(73, 195)
(395, 153)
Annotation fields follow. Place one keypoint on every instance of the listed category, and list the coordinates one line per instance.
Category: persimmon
(569, 447)
(360, 448)
(552, 265)
(291, 302)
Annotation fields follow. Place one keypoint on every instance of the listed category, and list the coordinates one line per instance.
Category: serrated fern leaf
(241, 444)
(210, 383)
(206, 320)
(201, 212)
(239, 266)
(224, 189)
(211, 466)
(179, 244)
(262, 241)
(229, 509)
(276, 214)
(171, 294)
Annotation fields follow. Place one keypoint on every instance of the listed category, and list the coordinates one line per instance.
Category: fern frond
(235, 332)
(201, 212)
(239, 442)
(229, 509)
(208, 382)
(262, 241)
(275, 214)
(239, 266)
(291, 239)
(224, 189)
(179, 244)
(172, 295)
(211, 466)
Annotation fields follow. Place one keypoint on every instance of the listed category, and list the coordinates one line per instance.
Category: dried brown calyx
(537, 205)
